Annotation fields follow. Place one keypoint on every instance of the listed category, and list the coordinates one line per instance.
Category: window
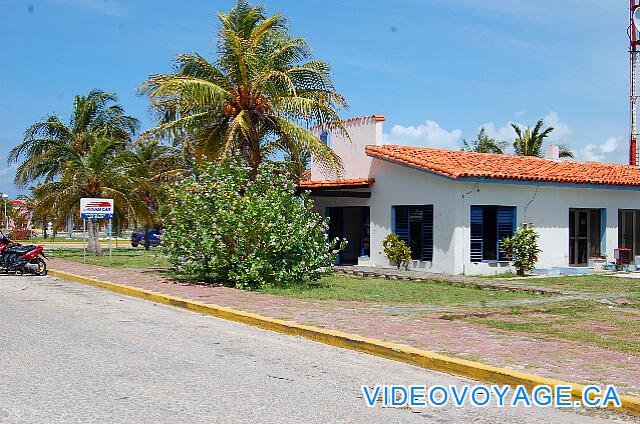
(414, 225)
(324, 137)
(489, 225)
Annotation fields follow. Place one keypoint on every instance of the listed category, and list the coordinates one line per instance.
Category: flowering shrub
(522, 248)
(396, 250)
(225, 228)
(21, 234)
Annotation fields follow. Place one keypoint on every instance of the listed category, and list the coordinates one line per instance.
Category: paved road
(74, 354)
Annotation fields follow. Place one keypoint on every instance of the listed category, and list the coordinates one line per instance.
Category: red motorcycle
(21, 259)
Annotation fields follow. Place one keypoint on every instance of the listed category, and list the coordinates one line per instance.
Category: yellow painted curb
(394, 351)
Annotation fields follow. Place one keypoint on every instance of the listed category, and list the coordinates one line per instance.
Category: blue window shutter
(402, 222)
(477, 218)
(427, 233)
(506, 226)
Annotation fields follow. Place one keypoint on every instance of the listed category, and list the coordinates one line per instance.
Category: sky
(438, 70)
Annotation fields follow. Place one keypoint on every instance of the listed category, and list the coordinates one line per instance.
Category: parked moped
(150, 239)
(21, 259)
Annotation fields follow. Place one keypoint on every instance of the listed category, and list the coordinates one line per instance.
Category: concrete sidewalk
(541, 355)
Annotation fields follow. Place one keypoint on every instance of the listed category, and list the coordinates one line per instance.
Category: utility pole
(5, 198)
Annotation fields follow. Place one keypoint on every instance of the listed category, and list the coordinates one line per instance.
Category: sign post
(84, 240)
(97, 209)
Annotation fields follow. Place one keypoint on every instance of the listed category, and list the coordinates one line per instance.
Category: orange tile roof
(456, 164)
(377, 118)
(351, 183)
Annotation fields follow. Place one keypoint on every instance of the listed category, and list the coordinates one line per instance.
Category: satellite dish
(636, 19)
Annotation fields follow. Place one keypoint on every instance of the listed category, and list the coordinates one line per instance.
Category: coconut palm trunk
(94, 241)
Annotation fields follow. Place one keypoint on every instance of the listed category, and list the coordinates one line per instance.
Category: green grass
(587, 322)
(50, 239)
(591, 283)
(369, 289)
(121, 257)
(614, 327)
(63, 239)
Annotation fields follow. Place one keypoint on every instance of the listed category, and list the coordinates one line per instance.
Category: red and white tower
(634, 50)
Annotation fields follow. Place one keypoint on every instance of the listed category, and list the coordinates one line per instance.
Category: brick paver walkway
(541, 355)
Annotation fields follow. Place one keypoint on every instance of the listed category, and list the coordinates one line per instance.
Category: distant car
(152, 237)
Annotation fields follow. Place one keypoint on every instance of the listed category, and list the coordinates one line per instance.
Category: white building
(454, 207)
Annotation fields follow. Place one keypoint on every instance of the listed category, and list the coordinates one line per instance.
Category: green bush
(396, 250)
(522, 248)
(225, 228)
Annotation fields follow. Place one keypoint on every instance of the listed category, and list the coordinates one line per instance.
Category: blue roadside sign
(96, 208)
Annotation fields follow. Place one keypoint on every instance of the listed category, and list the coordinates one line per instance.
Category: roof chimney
(552, 152)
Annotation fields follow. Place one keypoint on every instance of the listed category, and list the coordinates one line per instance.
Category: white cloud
(608, 151)
(560, 129)
(428, 134)
(502, 133)
(431, 134)
(505, 132)
(610, 145)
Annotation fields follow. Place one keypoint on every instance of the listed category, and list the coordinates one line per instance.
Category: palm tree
(159, 165)
(297, 162)
(46, 143)
(263, 87)
(565, 151)
(105, 170)
(85, 158)
(484, 144)
(529, 142)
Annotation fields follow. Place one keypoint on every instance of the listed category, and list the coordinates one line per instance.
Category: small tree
(522, 248)
(224, 227)
(396, 250)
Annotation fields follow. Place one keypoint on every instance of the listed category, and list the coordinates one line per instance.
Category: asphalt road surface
(76, 354)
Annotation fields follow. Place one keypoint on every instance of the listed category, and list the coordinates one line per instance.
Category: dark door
(335, 216)
(585, 235)
(629, 230)
(352, 224)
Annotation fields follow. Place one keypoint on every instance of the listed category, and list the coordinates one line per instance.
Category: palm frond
(301, 138)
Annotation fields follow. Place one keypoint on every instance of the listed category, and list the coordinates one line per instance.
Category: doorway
(585, 235)
(629, 230)
(350, 223)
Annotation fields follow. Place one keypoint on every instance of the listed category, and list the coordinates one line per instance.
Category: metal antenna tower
(634, 50)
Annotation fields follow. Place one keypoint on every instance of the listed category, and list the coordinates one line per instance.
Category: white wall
(356, 164)
(548, 210)
(545, 206)
(396, 186)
